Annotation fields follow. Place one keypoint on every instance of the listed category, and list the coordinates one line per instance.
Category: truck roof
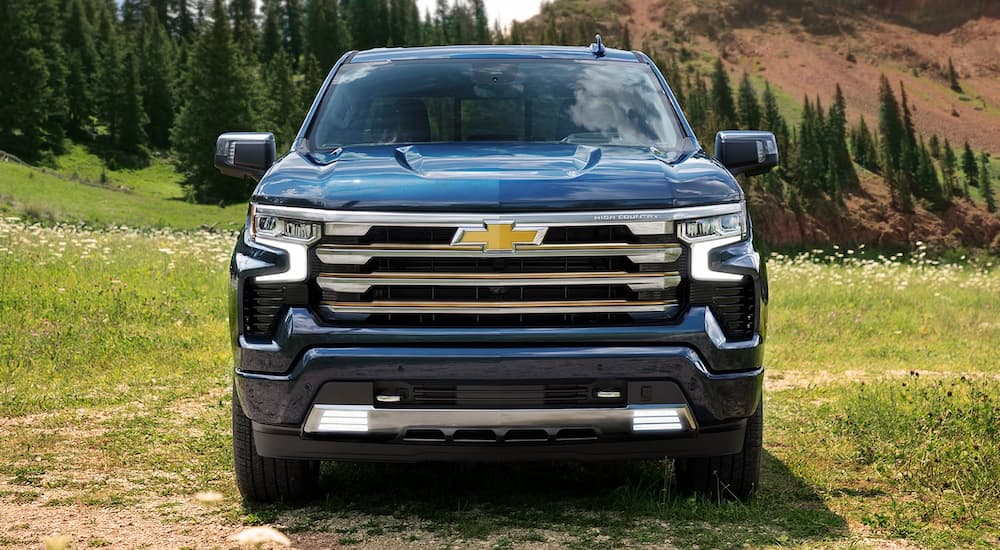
(490, 52)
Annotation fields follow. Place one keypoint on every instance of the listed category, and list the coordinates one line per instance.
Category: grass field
(883, 413)
(76, 192)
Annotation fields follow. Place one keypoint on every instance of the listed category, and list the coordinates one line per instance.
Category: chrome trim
(298, 262)
(395, 422)
(360, 254)
(361, 283)
(499, 308)
(700, 268)
(646, 221)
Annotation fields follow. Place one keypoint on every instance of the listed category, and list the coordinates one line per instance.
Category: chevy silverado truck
(496, 253)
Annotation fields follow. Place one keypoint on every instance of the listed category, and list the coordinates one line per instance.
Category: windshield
(591, 102)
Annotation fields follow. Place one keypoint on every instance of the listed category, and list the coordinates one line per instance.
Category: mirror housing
(749, 152)
(244, 154)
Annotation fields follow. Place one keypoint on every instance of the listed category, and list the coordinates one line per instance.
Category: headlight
(288, 234)
(285, 229)
(705, 234)
(714, 227)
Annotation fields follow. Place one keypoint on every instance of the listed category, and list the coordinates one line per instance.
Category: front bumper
(708, 418)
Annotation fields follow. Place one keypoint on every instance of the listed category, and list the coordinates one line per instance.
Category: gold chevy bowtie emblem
(498, 236)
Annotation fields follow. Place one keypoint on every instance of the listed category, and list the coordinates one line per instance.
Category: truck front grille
(590, 272)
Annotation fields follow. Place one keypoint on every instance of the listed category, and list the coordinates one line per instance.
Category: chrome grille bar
(361, 254)
(358, 283)
(487, 308)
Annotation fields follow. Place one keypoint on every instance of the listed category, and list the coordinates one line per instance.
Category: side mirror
(747, 152)
(242, 154)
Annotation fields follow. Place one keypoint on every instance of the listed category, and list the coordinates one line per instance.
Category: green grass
(76, 192)
(881, 412)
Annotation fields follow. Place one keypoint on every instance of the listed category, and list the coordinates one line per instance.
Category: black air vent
(733, 305)
(263, 303)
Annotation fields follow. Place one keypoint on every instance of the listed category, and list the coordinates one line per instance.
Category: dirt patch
(142, 525)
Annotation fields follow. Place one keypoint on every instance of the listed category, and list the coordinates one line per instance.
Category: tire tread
(728, 477)
(263, 479)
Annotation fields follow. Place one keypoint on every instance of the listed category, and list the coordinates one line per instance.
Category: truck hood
(485, 177)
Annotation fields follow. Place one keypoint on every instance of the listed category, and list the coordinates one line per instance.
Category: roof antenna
(597, 48)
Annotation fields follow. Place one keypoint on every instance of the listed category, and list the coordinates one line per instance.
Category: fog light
(341, 420)
(652, 420)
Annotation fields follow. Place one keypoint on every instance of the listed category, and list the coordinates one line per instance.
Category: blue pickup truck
(496, 253)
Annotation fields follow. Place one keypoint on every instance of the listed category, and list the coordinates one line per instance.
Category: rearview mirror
(244, 154)
(746, 152)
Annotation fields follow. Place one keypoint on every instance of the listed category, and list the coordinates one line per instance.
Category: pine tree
(841, 168)
(749, 108)
(397, 22)
(892, 139)
(949, 168)
(928, 187)
(81, 57)
(414, 29)
(772, 120)
(312, 79)
(183, 24)
(216, 100)
(53, 128)
(292, 33)
(812, 165)
(157, 73)
(550, 33)
(23, 80)
(160, 7)
(953, 77)
(110, 81)
(282, 109)
(243, 14)
(909, 154)
(271, 39)
(481, 21)
(934, 146)
(889, 124)
(970, 168)
(697, 106)
(131, 14)
(369, 23)
(865, 151)
(131, 136)
(442, 24)
(986, 183)
(721, 106)
(380, 24)
(325, 32)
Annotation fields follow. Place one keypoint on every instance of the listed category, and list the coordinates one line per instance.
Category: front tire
(730, 476)
(262, 479)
